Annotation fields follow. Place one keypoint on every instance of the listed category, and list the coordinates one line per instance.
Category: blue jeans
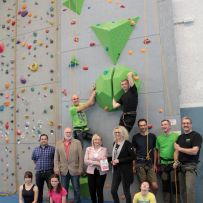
(75, 180)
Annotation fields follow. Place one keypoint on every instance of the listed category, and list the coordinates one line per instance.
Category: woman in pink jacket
(97, 167)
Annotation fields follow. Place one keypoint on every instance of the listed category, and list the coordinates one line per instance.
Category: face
(75, 100)
(144, 187)
(118, 135)
(186, 125)
(68, 134)
(43, 140)
(54, 182)
(165, 125)
(125, 85)
(28, 180)
(143, 126)
(97, 141)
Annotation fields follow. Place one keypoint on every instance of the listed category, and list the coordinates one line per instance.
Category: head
(166, 125)
(187, 124)
(96, 140)
(144, 187)
(120, 133)
(28, 177)
(55, 183)
(43, 139)
(68, 134)
(125, 85)
(142, 125)
(75, 100)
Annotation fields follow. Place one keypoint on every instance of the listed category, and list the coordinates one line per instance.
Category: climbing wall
(50, 50)
(28, 88)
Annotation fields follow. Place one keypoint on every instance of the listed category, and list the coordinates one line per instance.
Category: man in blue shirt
(43, 157)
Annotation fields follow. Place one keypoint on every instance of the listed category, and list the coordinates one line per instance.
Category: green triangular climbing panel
(114, 35)
(108, 85)
(74, 5)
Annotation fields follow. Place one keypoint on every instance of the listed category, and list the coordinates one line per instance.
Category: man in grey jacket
(68, 162)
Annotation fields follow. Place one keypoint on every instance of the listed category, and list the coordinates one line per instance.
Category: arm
(115, 104)
(63, 199)
(88, 103)
(130, 79)
(80, 157)
(87, 160)
(51, 201)
(130, 155)
(36, 191)
(190, 151)
(155, 160)
(20, 194)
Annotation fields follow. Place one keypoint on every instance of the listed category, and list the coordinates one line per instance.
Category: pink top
(91, 156)
(57, 197)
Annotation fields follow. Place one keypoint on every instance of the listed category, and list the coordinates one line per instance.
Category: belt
(45, 171)
(130, 113)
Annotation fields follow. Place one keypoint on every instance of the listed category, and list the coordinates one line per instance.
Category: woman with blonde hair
(95, 155)
(122, 161)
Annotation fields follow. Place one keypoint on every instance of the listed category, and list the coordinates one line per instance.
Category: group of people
(174, 157)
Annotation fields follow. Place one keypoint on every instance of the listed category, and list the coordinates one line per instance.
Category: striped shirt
(43, 157)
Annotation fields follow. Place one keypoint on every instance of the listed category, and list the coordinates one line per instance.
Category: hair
(43, 135)
(141, 120)
(169, 122)
(94, 137)
(123, 130)
(125, 80)
(28, 174)
(187, 118)
(59, 186)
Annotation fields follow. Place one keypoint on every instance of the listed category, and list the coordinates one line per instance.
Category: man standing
(129, 101)
(187, 150)
(43, 157)
(79, 118)
(144, 144)
(165, 147)
(68, 162)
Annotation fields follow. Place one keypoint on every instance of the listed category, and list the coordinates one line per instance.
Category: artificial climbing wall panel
(29, 84)
(149, 51)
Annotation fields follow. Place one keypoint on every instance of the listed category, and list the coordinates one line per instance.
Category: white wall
(189, 50)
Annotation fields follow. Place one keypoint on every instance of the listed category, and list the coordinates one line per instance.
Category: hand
(57, 172)
(177, 147)
(176, 164)
(115, 162)
(155, 168)
(134, 169)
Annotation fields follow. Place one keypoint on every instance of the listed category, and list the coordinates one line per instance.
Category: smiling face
(144, 188)
(68, 134)
(75, 100)
(54, 182)
(96, 140)
(142, 127)
(187, 125)
(43, 140)
(166, 126)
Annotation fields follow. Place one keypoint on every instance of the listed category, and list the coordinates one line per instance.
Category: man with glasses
(79, 118)
(187, 150)
(68, 163)
(43, 157)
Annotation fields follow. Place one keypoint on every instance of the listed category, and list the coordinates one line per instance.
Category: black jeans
(42, 176)
(127, 120)
(96, 185)
(82, 135)
(118, 177)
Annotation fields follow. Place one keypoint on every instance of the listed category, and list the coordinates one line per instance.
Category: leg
(127, 121)
(175, 192)
(100, 180)
(40, 185)
(47, 178)
(152, 179)
(78, 134)
(114, 186)
(165, 177)
(141, 173)
(92, 187)
(126, 188)
(65, 180)
(190, 176)
(181, 177)
(76, 187)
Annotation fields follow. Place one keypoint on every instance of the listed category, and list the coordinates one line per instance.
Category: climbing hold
(122, 6)
(146, 41)
(150, 126)
(74, 62)
(7, 103)
(33, 67)
(85, 68)
(7, 125)
(7, 85)
(143, 50)
(1, 47)
(1, 108)
(161, 110)
(73, 22)
(64, 92)
(106, 108)
(18, 132)
(92, 44)
(75, 6)
(76, 39)
(51, 123)
(130, 52)
(24, 6)
(23, 80)
(136, 77)
(24, 13)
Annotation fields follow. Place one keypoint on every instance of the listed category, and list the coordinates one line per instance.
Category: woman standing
(122, 159)
(94, 155)
(28, 192)
(57, 193)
